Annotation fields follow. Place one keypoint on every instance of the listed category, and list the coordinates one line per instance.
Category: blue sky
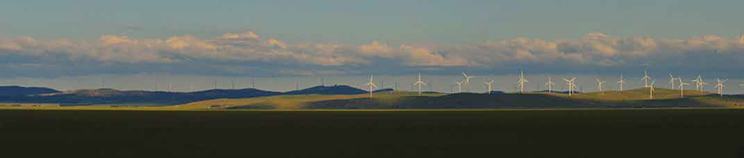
(363, 21)
(49, 41)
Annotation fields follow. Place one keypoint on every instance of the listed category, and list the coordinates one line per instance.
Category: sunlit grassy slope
(635, 94)
(295, 101)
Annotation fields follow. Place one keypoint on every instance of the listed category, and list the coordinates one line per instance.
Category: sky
(72, 44)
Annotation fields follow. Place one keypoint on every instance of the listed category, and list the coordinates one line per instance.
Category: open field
(375, 133)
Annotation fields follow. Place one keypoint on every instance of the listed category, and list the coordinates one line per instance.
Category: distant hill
(112, 96)
(24, 91)
(16, 94)
(346, 97)
(454, 101)
(635, 98)
(335, 89)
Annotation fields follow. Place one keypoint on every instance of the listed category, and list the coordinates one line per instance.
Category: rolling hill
(346, 97)
(15, 94)
(112, 96)
(409, 100)
(6, 91)
(335, 89)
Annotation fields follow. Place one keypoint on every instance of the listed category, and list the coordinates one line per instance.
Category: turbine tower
(489, 86)
(522, 81)
(459, 86)
(419, 83)
(682, 85)
(621, 82)
(699, 83)
(571, 85)
(720, 86)
(671, 80)
(599, 84)
(550, 84)
(466, 81)
(651, 90)
(645, 79)
(371, 85)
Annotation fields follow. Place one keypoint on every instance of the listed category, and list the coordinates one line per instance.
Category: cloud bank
(248, 53)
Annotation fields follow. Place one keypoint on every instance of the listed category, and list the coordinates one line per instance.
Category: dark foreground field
(557, 133)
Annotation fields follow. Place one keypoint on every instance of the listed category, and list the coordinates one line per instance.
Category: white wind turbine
(459, 86)
(419, 83)
(522, 81)
(621, 83)
(671, 80)
(371, 85)
(599, 84)
(720, 86)
(682, 85)
(571, 85)
(645, 79)
(466, 80)
(550, 84)
(699, 83)
(651, 90)
(489, 86)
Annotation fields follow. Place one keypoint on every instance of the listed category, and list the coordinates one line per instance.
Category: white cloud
(593, 49)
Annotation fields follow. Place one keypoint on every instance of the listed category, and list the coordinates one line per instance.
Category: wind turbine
(550, 84)
(571, 85)
(651, 90)
(599, 84)
(682, 85)
(720, 86)
(371, 85)
(489, 86)
(621, 82)
(419, 83)
(645, 79)
(522, 80)
(395, 86)
(699, 83)
(459, 86)
(382, 84)
(253, 82)
(671, 80)
(466, 80)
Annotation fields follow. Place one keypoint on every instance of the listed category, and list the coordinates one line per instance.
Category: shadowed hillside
(10, 91)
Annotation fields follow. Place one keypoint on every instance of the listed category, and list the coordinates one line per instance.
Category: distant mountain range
(17, 94)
